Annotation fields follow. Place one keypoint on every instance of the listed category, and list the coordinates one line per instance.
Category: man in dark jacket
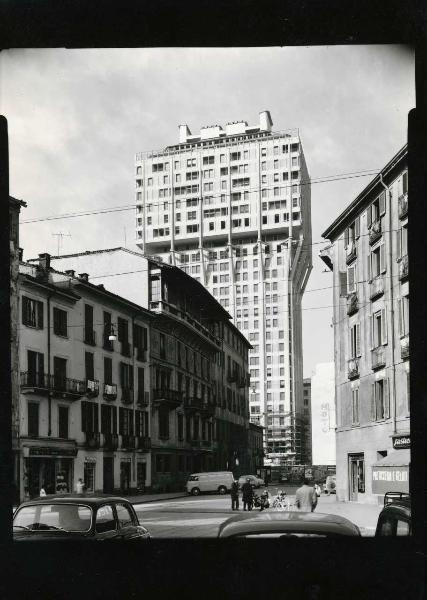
(247, 494)
(235, 495)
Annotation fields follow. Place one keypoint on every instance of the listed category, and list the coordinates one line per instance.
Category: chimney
(184, 132)
(20, 254)
(84, 277)
(265, 121)
(70, 272)
(44, 261)
(101, 285)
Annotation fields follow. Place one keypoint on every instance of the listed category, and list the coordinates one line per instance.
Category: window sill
(65, 337)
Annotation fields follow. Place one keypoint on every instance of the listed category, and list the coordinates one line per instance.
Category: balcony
(403, 206)
(403, 268)
(92, 388)
(375, 231)
(110, 391)
(166, 397)
(111, 441)
(195, 443)
(351, 252)
(125, 349)
(108, 344)
(352, 303)
(64, 387)
(143, 443)
(128, 442)
(404, 347)
(353, 368)
(376, 288)
(232, 376)
(92, 440)
(143, 398)
(127, 395)
(242, 382)
(89, 336)
(378, 358)
(35, 383)
(140, 354)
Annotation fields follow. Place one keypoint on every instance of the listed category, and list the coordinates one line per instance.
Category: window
(33, 419)
(355, 406)
(59, 373)
(32, 312)
(105, 520)
(404, 316)
(192, 228)
(377, 261)
(89, 412)
(123, 515)
(89, 366)
(355, 341)
(126, 376)
(35, 376)
(378, 328)
(191, 162)
(108, 370)
(380, 400)
(180, 427)
(376, 210)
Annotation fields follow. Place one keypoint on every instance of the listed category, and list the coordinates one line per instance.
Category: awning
(391, 473)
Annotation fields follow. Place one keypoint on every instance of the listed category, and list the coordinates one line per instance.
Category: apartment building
(369, 258)
(306, 420)
(231, 207)
(84, 397)
(198, 364)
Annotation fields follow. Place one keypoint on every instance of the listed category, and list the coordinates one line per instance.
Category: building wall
(249, 251)
(323, 414)
(379, 359)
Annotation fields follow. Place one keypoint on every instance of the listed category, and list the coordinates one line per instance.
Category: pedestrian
(247, 495)
(265, 500)
(42, 491)
(305, 497)
(266, 479)
(80, 486)
(235, 495)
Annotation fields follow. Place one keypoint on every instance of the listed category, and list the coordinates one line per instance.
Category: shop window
(89, 476)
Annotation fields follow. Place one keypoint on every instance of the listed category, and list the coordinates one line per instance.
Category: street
(195, 517)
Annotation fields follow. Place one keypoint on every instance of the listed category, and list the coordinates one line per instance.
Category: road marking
(186, 523)
(149, 505)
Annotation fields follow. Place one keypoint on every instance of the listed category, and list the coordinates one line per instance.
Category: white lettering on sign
(390, 475)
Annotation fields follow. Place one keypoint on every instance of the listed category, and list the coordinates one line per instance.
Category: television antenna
(60, 235)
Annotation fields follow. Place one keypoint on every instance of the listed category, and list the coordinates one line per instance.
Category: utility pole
(60, 235)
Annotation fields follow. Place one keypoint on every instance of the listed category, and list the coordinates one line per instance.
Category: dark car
(255, 481)
(395, 517)
(71, 517)
(287, 524)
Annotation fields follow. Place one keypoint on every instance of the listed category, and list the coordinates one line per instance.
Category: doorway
(108, 468)
(356, 463)
(124, 477)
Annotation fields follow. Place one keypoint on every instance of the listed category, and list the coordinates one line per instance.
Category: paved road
(191, 517)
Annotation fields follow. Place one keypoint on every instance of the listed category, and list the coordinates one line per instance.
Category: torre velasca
(231, 207)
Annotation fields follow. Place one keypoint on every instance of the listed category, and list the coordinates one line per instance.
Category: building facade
(84, 398)
(369, 257)
(323, 414)
(199, 414)
(232, 208)
(306, 415)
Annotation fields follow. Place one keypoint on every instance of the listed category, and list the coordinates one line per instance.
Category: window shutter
(357, 227)
(383, 326)
(369, 267)
(405, 182)
(382, 203)
(400, 309)
(24, 310)
(121, 420)
(382, 258)
(358, 339)
(369, 216)
(131, 377)
(114, 413)
(386, 392)
(40, 315)
(373, 403)
(122, 374)
(343, 283)
(84, 415)
(346, 237)
(95, 418)
(399, 243)
(131, 423)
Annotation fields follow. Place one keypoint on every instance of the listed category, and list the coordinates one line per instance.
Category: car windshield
(53, 517)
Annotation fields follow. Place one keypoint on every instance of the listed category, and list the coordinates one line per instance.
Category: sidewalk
(143, 498)
(365, 516)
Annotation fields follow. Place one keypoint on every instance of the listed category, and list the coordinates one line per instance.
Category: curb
(147, 501)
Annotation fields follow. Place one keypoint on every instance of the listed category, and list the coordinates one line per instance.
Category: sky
(77, 118)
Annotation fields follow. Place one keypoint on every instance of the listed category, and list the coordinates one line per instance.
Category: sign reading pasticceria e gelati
(401, 441)
(390, 479)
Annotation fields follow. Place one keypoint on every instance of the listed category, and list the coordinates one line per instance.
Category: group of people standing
(305, 497)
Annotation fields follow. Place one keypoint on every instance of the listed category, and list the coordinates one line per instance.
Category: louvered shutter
(131, 422)
(399, 243)
(371, 331)
(386, 392)
(95, 417)
(40, 315)
(357, 227)
(369, 216)
(373, 404)
(84, 415)
(369, 267)
(382, 203)
(400, 307)
(343, 283)
(122, 374)
(114, 414)
(346, 237)
(383, 326)
(382, 259)
(130, 376)
(405, 182)
(121, 420)
(358, 353)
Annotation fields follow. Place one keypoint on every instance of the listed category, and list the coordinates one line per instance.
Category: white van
(215, 481)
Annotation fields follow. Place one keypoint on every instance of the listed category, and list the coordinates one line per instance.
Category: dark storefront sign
(390, 479)
(62, 452)
(401, 442)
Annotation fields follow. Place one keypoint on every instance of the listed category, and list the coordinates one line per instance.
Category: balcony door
(35, 362)
(108, 468)
(59, 372)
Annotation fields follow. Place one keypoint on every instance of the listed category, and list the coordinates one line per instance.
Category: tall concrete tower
(231, 206)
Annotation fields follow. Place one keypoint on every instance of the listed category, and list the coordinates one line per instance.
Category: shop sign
(53, 452)
(401, 441)
(390, 479)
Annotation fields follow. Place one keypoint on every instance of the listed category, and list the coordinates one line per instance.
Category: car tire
(195, 491)
(222, 490)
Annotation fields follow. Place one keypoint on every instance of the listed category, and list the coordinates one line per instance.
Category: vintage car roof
(88, 499)
(287, 522)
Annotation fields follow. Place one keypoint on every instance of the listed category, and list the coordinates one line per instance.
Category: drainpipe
(390, 289)
(49, 397)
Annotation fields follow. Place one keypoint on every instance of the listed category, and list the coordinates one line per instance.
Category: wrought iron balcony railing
(143, 443)
(111, 441)
(67, 387)
(92, 440)
(127, 395)
(168, 397)
(108, 344)
(375, 231)
(353, 368)
(404, 346)
(143, 398)
(403, 267)
(92, 388)
(39, 382)
(351, 252)
(403, 206)
(110, 391)
(376, 288)
(128, 442)
(378, 357)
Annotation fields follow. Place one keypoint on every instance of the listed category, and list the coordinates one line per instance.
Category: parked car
(395, 519)
(287, 524)
(71, 517)
(214, 481)
(256, 482)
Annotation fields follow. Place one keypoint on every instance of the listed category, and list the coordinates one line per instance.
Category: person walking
(306, 497)
(235, 495)
(42, 491)
(247, 495)
(80, 486)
